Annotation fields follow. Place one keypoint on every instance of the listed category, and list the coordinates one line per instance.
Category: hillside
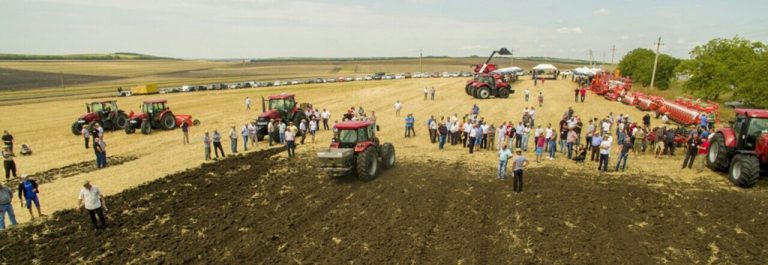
(91, 56)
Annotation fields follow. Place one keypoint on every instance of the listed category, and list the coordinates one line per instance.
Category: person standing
(484, 141)
(703, 123)
(605, 151)
(244, 132)
(454, 131)
(398, 107)
(540, 143)
(92, 200)
(409, 121)
(8, 140)
(86, 135)
(97, 150)
(570, 141)
(527, 93)
(639, 140)
(6, 206)
(504, 155)
(326, 115)
(247, 103)
(207, 143)
(442, 132)
(432, 126)
(694, 144)
(217, 144)
(576, 94)
(595, 144)
(520, 163)
(184, 132)
(272, 132)
(8, 164)
(313, 129)
(233, 140)
(624, 154)
(519, 130)
(29, 189)
(432, 94)
(426, 91)
(303, 129)
(281, 128)
(541, 99)
(647, 121)
(290, 141)
(473, 134)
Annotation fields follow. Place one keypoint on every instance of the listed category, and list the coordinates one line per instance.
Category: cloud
(602, 11)
(623, 37)
(473, 47)
(577, 30)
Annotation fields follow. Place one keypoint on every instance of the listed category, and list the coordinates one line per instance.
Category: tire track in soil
(73, 169)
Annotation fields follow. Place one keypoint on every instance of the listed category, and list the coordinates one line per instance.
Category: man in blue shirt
(703, 122)
(504, 155)
(28, 189)
(409, 121)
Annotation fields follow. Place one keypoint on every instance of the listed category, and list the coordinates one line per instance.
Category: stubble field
(434, 207)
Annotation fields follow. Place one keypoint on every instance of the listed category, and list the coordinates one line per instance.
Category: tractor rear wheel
(745, 170)
(504, 92)
(367, 165)
(167, 121)
(483, 93)
(76, 128)
(388, 155)
(121, 120)
(467, 89)
(717, 155)
(146, 128)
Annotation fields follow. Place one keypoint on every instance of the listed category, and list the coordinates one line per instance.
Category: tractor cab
(748, 128)
(354, 134)
(153, 107)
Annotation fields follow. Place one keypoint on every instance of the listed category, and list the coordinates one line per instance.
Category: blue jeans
(525, 142)
(442, 141)
(552, 148)
(622, 158)
(603, 164)
(570, 150)
(233, 145)
(7, 208)
(245, 142)
(502, 169)
(101, 160)
(562, 146)
(282, 138)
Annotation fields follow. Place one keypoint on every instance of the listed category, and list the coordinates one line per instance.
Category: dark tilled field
(267, 210)
(21, 79)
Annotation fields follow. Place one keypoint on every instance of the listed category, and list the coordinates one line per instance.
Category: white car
(368, 77)
(277, 83)
(445, 74)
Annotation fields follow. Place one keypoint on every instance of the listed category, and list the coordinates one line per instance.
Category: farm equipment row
(155, 115)
(486, 82)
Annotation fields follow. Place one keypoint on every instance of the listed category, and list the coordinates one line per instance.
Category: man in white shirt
(90, 197)
(532, 113)
(605, 151)
(484, 141)
(326, 115)
(473, 134)
(398, 107)
(467, 130)
(527, 93)
(248, 103)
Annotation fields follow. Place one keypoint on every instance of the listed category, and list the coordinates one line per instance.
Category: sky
(218, 29)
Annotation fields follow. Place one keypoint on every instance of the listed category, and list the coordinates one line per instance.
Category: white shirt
(433, 125)
(473, 133)
(455, 127)
(571, 123)
(537, 132)
(548, 134)
(664, 118)
(312, 125)
(398, 106)
(91, 198)
(467, 127)
(527, 92)
(605, 146)
(606, 126)
(484, 128)
(248, 101)
(532, 113)
(326, 115)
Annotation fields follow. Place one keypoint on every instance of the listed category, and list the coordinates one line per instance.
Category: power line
(656, 61)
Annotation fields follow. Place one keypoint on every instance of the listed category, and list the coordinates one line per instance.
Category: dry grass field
(45, 126)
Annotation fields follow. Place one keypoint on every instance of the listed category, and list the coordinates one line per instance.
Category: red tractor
(282, 108)
(742, 149)
(486, 83)
(156, 115)
(356, 149)
(104, 113)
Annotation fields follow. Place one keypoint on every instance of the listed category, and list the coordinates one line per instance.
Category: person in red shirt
(583, 93)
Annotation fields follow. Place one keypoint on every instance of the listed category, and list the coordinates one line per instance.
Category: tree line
(736, 67)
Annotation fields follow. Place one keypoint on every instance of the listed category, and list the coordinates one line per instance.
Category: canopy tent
(509, 70)
(545, 67)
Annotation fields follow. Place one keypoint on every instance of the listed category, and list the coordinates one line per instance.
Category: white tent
(545, 67)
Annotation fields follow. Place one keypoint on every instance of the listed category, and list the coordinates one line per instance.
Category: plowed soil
(22, 79)
(261, 208)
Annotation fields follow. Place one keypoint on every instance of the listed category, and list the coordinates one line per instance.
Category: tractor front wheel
(146, 128)
(468, 88)
(504, 92)
(121, 120)
(367, 165)
(129, 128)
(168, 121)
(196, 122)
(76, 128)
(388, 155)
(483, 93)
(745, 170)
(717, 155)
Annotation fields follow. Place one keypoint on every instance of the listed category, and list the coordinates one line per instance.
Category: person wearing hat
(605, 150)
(8, 163)
(91, 199)
(6, 196)
(29, 189)
(504, 155)
(519, 164)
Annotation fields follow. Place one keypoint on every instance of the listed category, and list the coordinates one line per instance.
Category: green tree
(720, 66)
(753, 83)
(638, 64)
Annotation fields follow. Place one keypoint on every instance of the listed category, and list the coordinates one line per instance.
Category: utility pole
(512, 57)
(655, 61)
(421, 68)
(591, 58)
(613, 53)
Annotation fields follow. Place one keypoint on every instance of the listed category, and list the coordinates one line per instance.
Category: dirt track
(275, 211)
